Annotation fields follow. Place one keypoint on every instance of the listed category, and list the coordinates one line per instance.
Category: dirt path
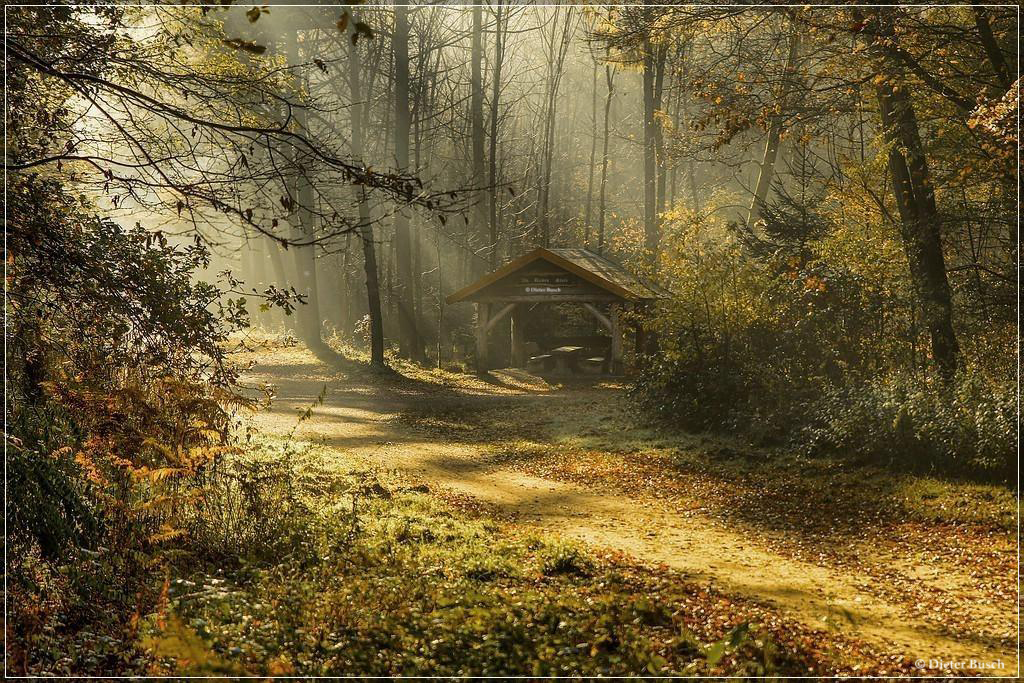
(372, 425)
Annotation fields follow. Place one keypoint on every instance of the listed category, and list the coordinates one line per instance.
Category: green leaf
(714, 653)
(656, 665)
(738, 634)
(732, 639)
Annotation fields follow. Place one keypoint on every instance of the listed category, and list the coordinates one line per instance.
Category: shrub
(47, 503)
(803, 332)
(244, 509)
(902, 419)
(121, 394)
(720, 392)
(565, 558)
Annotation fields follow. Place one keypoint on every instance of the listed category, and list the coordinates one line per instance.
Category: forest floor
(910, 567)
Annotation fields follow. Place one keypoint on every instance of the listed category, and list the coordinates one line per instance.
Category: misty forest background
(829, 194)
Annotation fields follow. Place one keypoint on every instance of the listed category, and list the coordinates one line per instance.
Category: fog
(482, 133)
(546, 132)
(510, 340)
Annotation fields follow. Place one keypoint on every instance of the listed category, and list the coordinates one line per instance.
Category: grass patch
(598, 439)
(384, 579)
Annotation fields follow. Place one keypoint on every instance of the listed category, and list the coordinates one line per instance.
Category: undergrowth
(377, 577)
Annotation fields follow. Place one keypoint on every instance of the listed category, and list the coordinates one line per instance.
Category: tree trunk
(593, 155)
(609, 75)
(410, 344)
(559, 46)
(278, 274)
(308, 315)
(771, 145)
(499, 56)
(651, 236)
(992, 50)
(661, 165)
(359, 113)
(920, 223)
(345, 295)
(476, 119)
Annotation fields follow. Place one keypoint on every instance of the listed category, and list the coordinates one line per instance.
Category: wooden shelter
(550, 276)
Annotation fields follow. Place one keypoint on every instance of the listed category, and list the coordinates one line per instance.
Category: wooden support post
(616, 330)
(640, 344)
(519, 337)
(482, 311)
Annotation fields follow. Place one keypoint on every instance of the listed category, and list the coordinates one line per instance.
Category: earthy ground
(910, 566)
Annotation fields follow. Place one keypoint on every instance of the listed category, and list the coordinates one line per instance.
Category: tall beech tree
(410, 343)
(920, 221)
(359, 116)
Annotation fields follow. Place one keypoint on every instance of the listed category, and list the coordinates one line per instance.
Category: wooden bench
(544, 361)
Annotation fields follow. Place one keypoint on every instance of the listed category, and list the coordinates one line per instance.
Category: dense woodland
(830, 195)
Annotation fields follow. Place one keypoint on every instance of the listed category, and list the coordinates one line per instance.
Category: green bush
(565, 558)
(778, 336)
(721, 392)
(120, 393)
(245, 509)
(969, 428)
(46, 500)
(900, 420)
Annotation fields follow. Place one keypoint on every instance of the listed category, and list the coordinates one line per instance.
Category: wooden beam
(481, 338)
(519, 337)
(496, 318)
(616, 330)
(595, 298)
(640, 345)
(601, 317)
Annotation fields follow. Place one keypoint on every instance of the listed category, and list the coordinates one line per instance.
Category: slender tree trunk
(609, 75)
(544, 178)
(499, 57)
(410, 344)
(683, 122)
(920, 222)
(359, 115)
(305, 260)
(771, 146)
(660, 54)
(653, 78)
(250, 263)
(279, 273)
(308, 315)
(593, 155)
(417, 246)
(650, 156)
(476, 119)
(559, 45)
(675, 115)
(345, 297)
(992, 51)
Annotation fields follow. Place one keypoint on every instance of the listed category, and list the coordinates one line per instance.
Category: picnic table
(567, 358)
